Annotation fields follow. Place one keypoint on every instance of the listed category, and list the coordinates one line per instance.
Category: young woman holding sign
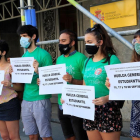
(135, 112)
(108, 119)
(9, 103)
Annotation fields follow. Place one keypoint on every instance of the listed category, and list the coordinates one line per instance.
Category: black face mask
(91, 48)
(64, 49)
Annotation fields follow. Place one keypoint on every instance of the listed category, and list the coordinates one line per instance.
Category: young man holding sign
(36, 109)
(72, 126)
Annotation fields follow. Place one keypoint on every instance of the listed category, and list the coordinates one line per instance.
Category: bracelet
(12, 85)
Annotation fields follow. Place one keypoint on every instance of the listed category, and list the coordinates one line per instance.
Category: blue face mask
(24, 42)
(137, 48)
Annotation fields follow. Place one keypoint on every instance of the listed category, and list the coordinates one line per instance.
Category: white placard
(78, 101)
(51, 81)
(22, 69)
(125, 81)
(1, 79)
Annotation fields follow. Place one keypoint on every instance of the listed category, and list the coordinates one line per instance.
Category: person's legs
(111, 122)
(135, 120)
(71, 138)
(134, 138)
(66, 125)
(28, 120)
(110, 136)
(13, 129)
(4, 131)
(79, 132)
(34, 137)
(42, 114)
(94, 135)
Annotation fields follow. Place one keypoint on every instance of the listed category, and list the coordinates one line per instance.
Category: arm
(16, 87)
(107, 83)
(36, 65)
(101, 100)
(105, 99)
(68, 78)
(84, 82)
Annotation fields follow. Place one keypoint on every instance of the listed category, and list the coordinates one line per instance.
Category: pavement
(57, 133)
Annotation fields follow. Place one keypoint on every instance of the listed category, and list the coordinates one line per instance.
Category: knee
(33, 137)
(5, 136)
(14, 137)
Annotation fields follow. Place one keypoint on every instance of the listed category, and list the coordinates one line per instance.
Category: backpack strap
(109, 60)
(87, 61)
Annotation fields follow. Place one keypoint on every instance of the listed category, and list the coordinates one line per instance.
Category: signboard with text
(116, 14)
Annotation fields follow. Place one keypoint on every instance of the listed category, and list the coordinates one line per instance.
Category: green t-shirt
(74, 65)
(31, 91)
(95, 75)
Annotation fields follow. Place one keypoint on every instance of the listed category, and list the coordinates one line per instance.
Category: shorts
(36, 117)
(108, 118)
(135, 119)
(72, 126)
(10, 111)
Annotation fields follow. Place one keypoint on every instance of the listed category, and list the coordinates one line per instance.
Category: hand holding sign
(68, 78)
(107, 83)
(6, 83)
(101, 100)
(35, 65)
(10, 69)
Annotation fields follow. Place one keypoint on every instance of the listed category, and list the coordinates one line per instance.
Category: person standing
(35, 108)
(72, 126)
(108, 119)
(9, 104)
(135, 110)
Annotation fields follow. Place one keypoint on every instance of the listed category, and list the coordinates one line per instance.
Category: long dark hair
(73, 37)
(135, 56)
(4, 47)
(100, 33)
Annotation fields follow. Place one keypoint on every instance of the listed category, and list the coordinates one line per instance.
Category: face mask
(24, 42)
(64, 49)
(91, 48)
(137, 48)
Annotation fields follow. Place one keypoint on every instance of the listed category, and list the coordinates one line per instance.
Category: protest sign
(22, 69)
(1, 79)
(125, 81)
(51, 80)
(78, 101)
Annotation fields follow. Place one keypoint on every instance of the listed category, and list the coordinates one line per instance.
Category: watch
(12, 85)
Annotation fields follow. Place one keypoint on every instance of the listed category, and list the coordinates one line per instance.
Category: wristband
(12, 85)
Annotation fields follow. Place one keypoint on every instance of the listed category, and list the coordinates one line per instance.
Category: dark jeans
(72, 126)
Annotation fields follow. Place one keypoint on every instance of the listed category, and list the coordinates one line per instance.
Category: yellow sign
(116, 14)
